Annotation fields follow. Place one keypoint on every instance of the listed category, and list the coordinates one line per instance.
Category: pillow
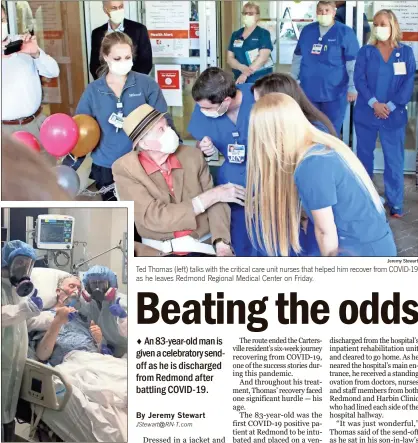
(45, 281)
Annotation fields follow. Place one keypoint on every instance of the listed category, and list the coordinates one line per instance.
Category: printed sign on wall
(168, 78)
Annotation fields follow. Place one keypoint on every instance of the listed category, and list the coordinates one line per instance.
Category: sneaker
(396, 212)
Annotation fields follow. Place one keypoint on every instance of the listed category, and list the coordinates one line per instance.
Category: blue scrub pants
(334, 110)
(393, 146)
(385, 247)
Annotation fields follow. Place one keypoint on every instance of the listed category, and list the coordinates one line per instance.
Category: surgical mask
(120, 68)
(248, 20)
(215, 114)
(325, 20)
(117, 17)
(169, 141)
(382, 33)
(4, 31)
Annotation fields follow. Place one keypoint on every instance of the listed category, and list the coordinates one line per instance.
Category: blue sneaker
(396, 212)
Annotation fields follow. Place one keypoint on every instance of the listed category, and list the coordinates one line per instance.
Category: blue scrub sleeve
(402, 96)
(391, 106)
(315, 182)
(351, 45)
(350, 71)
(265, 40)
(84, 105)
(360, 78)
(298, 49)
(295, 69)
(372, 101)
(231, 42)
(198, 126)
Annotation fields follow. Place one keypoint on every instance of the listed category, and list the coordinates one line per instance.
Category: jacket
(157, 213)
(142, 47)
(99, 101)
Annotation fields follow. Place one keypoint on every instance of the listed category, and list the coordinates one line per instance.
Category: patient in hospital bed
(65, 327)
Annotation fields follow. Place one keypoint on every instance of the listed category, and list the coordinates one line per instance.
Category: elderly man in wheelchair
(80, 394)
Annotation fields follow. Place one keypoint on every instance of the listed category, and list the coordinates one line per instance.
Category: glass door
(194, 23)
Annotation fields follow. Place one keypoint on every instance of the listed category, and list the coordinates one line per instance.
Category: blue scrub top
(220, 130)
(324, 76)
(326, 180)
(259, 39)
(375, 78)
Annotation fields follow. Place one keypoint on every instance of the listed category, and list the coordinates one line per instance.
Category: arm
(14, 314)
(47, 344)
(351, 49)
(219, 214)
(143, 56)
(296, 62)
(261, 60)
(46, 65)
(234, 63)
(84, 105)
(360, 78)
(350, 71)
(94, 54)
(404, 93)
(326, 232)
(41, 322)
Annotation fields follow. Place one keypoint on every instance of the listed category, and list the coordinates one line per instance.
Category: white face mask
(215, 114)
(117, 17)
(122, 67)
(382, 33)
(249, 21)
(325, 20)
(169, 141)
(4, 31)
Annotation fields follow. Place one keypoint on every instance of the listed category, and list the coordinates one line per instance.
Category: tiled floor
(405, 229)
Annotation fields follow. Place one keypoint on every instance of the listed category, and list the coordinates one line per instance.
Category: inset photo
(64, 314)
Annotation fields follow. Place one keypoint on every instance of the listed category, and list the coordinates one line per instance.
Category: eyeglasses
(116, 8)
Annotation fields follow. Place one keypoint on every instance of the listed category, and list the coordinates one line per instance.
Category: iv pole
(79, 265)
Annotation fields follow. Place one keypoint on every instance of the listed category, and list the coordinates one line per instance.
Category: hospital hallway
(405, 229)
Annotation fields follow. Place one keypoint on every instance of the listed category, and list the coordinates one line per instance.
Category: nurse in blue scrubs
(292, 164)
(324, 61)
(249, 51)
(384, 77)
(284, 83)
(220, 121)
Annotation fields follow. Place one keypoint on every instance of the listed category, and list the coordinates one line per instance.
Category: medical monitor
(55, 232)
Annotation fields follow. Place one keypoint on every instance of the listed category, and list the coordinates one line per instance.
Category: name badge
(119, 105)
(236, 153)
(316, 49)
(116, 120)
(399, 68)
(238, 43)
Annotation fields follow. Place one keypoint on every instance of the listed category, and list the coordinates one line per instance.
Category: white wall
(102, 229)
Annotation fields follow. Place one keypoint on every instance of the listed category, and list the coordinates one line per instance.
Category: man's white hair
(62, 279)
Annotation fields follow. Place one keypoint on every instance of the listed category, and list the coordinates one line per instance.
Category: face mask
(19, 275)
(249, 21)
(120, 68)
(169, 141)
(4, 31)
(382, 33)
(24, 287)
(117, 17)
(215, 114)
(325, 20)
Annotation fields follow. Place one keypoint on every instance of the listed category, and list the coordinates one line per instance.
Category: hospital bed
(53, 400)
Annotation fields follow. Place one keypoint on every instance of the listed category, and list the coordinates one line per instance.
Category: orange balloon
(89, 131)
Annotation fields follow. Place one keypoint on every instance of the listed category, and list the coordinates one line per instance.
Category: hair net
(100, 273)
(14, 248)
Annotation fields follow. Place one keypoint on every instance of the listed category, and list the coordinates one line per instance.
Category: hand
(65, 314)
(207, 147)
(241, 79)
(351, 97)
(30, 46)
(96, 332)
(381, 110)
(223, 250)
(105, 350)
(246, 70)
(231, 193)
(37, 300)
(117, 310)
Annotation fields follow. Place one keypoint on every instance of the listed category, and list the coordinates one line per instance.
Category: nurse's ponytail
(111, 39)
